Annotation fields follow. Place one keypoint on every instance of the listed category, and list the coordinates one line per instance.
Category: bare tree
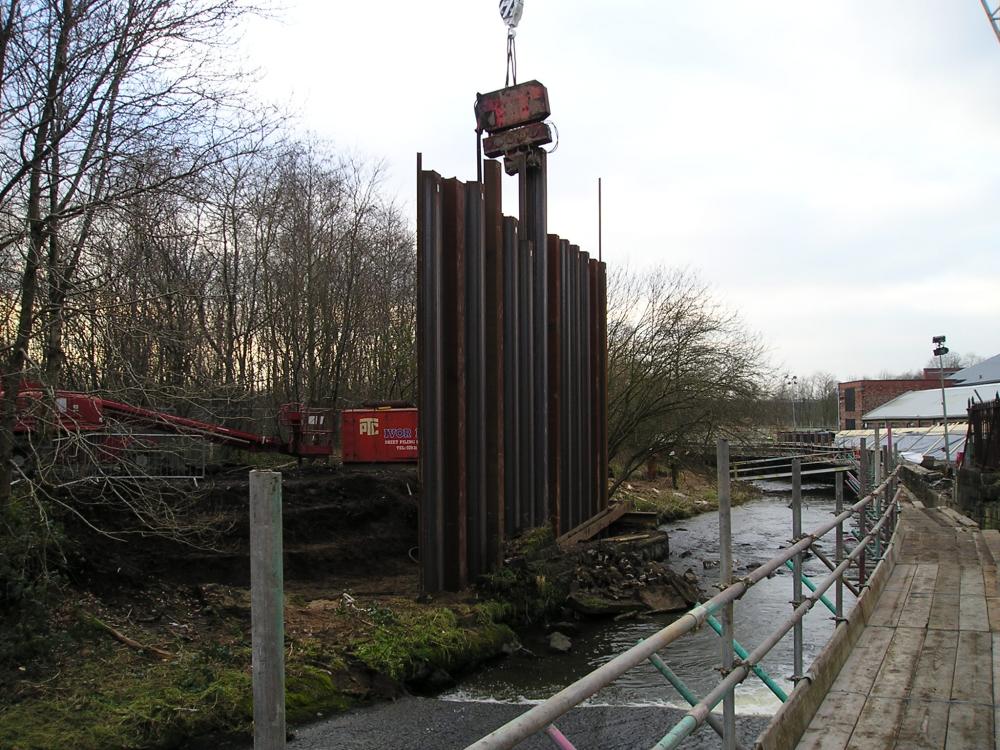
(103, 101)
(681, 368)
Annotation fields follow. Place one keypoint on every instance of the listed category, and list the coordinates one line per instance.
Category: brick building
(859, 396)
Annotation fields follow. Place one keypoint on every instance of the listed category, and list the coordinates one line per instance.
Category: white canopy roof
(987, 371)
(927, 404)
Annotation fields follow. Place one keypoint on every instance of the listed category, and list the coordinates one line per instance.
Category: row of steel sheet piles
(512, 358)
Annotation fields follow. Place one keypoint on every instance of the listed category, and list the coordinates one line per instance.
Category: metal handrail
(541, 716)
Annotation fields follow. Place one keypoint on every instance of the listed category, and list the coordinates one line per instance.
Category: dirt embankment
(147, 645)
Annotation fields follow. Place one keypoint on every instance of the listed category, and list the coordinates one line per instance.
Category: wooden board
(916, 610)
(890, 604)
(973, 679)
(924, 578)
(972, 614)
(861, 668)
(970, 727)
(923, 726)
(993, 612)
(944, 612)
(949, 578)
(996, 690)
(972, 581)
(833, 724)
(878, 724)
(897, 670)
(935, 669)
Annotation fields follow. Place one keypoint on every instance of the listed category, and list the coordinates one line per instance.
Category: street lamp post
(939, 351)
(792, 380)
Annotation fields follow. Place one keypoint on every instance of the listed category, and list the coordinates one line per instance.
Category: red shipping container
(378, 435)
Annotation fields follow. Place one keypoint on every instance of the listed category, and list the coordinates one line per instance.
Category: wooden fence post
(267, 615)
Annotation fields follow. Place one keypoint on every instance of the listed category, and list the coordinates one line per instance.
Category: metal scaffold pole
(797, 563)
(725, 580)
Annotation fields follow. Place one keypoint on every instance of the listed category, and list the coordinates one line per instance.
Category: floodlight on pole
(939, 351)
(793, 381)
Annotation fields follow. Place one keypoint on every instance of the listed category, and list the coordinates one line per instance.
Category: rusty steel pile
(512, 350)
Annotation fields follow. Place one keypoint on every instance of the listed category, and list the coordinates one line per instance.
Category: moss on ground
(114, 698)
(107, 695)
(452, 639)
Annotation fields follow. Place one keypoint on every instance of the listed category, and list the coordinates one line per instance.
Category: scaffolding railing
(876, 513)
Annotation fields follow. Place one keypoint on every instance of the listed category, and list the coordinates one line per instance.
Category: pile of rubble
(625, 575)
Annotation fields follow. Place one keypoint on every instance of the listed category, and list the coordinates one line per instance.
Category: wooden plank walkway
(925, 672)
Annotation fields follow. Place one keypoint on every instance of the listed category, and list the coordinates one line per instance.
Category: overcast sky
(832, 169)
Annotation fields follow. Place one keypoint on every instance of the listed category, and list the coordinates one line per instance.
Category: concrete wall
(918, 480)
(979, 496)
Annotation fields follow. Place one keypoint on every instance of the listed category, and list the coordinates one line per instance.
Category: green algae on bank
(106, 695)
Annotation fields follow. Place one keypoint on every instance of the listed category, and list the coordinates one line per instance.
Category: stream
(760, 528)
(637, 709)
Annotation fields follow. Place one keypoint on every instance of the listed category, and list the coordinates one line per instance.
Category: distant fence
(511, 340)
(982, 447)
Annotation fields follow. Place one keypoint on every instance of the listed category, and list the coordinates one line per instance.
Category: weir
(875, 515)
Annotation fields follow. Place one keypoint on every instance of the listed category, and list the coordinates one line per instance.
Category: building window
(849, 424)
(849, 401)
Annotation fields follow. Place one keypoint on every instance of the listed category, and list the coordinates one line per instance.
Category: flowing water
(760, 528)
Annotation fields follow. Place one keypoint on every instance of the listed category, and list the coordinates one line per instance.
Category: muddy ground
(147, 643)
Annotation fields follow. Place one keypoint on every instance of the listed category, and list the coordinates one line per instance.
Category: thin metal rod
(757, 668)
(877, 506)
(797, 640)
(878, 456)
(862, 517)
(600, 224)
(838, 485)
(944, 411)
(994, 16)
(558, 738)
(725, 580)
(540, 716)
(812, 587)
(686, 693)
(831, 565)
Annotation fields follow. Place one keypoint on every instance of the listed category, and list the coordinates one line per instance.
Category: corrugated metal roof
(927, 404)
(987, 371)
(911, 441)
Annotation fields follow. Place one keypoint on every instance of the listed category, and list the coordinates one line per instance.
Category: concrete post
(267, 617)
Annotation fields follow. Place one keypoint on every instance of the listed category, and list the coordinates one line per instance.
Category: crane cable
(510, 12)
(511, 59)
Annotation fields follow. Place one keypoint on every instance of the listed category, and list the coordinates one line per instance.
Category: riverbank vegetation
(170, 666)
(695, 492)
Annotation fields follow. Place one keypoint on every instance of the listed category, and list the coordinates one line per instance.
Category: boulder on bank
(559, 643)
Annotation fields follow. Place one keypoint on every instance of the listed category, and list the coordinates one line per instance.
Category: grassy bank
(189, 677)
(696, 492)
